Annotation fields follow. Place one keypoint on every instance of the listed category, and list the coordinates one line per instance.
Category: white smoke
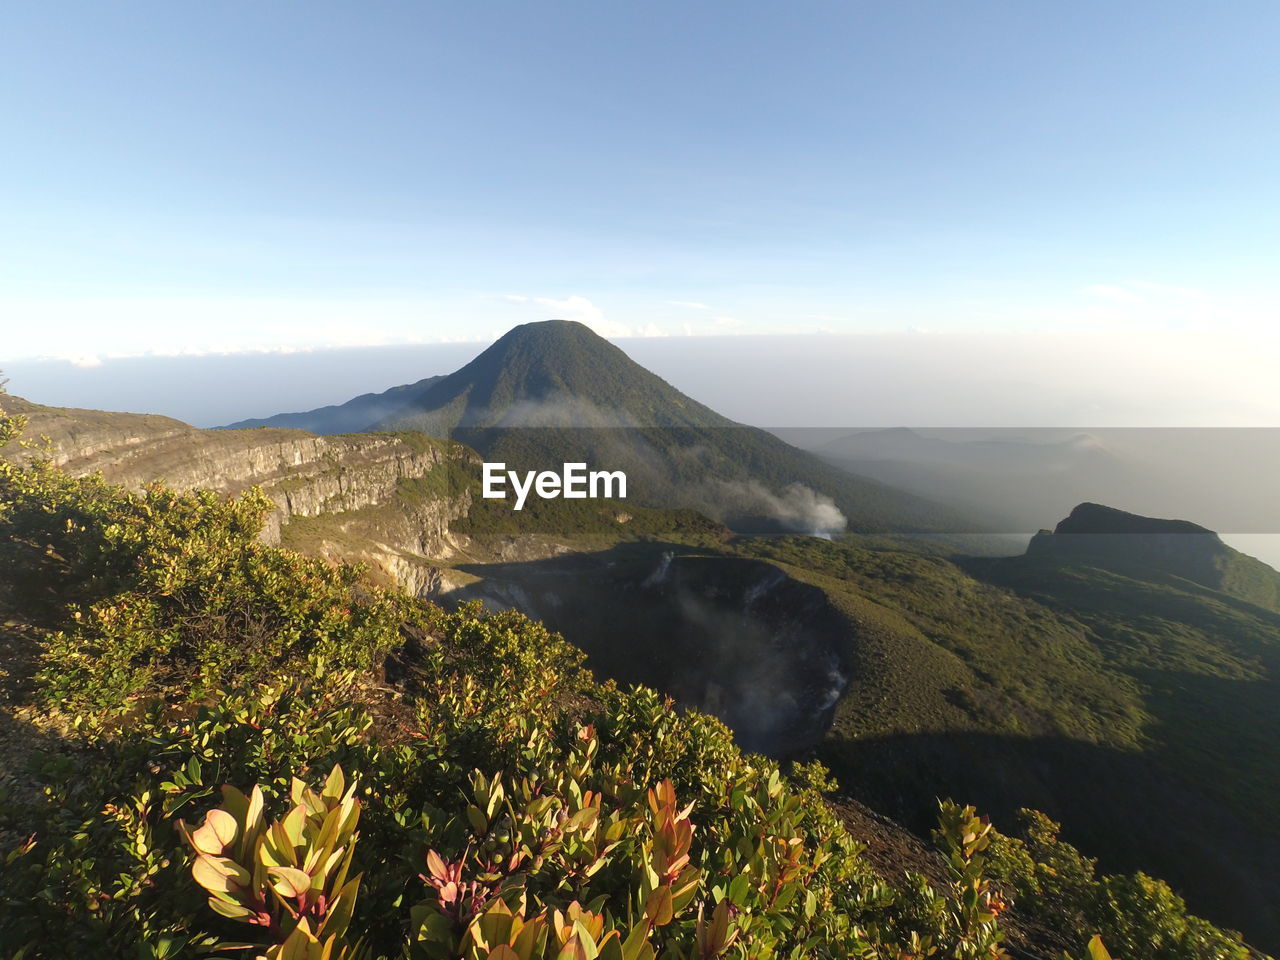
(659, 573)
(797, 507)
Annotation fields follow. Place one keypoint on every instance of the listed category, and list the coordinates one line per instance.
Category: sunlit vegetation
(1031, 681)
(244, 751)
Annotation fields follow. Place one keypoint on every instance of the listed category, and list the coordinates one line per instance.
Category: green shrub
(287, 878)
(1135, 915)
(174, 590)
(507, 805)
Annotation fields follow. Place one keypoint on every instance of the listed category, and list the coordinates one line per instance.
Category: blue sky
(230, 176)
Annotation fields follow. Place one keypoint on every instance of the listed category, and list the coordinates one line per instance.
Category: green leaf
(233, 910)
(290, 881)
(658, 907)
(219, 873)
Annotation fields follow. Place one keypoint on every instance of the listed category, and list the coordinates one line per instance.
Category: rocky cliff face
(1093, 532)
(340, 496)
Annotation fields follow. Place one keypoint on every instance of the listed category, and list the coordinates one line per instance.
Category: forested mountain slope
(278, 759)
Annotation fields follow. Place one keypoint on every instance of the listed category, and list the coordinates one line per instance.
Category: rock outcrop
(1129, 543)
(1093, 531)
(352, 497)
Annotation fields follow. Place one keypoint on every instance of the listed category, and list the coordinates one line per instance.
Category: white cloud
(579, 308)
(689, 304)
(574, 307)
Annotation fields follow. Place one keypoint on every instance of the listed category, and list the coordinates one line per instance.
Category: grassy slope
(111, 801)
(1137, 712)
(967, 655)
(1141, 712)
(1207, 664)
(1032, 682)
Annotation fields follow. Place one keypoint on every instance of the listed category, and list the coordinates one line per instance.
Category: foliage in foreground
(1138, 915)
(244, 782)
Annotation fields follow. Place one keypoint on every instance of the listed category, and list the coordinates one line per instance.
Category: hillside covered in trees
(214, 744)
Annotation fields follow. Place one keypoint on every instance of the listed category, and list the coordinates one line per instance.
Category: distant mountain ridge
(1014, 478)
(552, 392)
(555, 392)
(903, 443)
(351, 417)
(1009, 480)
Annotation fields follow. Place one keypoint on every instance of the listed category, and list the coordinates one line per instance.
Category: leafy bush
(1136, 915)
(287, 877)
(175, 590)
(751, 868)
(499, 804)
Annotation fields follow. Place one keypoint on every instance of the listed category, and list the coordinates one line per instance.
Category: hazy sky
(1074, 381)
(188, 178)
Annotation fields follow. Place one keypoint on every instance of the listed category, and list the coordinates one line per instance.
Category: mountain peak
(552, 373)
(550, 337)
(546, 357)
(553, 327)
(1097, 518)
(555, 391)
